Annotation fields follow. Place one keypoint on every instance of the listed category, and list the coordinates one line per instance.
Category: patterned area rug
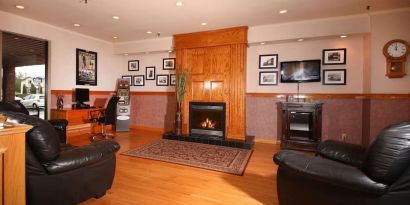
(213, 157)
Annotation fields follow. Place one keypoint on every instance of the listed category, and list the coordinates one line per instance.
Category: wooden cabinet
(13, 166)
(301, 125)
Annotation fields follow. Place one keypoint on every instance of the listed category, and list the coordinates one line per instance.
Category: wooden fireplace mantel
(216, 61)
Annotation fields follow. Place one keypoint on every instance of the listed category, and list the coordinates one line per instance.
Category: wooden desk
(74, 116)
(13, 168)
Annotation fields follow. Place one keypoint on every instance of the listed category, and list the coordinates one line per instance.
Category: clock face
(397, 49)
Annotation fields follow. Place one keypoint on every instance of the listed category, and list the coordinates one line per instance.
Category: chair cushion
(42, 138)
(389, 154)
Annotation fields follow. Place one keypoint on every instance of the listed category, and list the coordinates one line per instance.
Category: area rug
(218, 158)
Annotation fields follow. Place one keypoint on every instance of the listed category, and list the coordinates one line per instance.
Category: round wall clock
(396, 52)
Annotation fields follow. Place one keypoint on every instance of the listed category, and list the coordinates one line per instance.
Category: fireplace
(207, 119)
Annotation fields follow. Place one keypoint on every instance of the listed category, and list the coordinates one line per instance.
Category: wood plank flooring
(148, 182)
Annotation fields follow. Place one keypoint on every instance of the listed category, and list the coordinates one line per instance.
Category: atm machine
(123, 106)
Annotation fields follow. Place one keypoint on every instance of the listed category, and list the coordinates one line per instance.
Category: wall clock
(396, 52)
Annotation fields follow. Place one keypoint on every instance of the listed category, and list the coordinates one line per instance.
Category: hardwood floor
(148, 182)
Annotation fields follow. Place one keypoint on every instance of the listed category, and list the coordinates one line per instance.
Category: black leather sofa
(346, 174)
(58, 173)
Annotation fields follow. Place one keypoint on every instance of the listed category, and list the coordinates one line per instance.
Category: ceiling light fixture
(116, 17)
(263, 43)
(300, 39)
(16, 38)
(125, 54)
(19, 6)
(283, 11)
(170, 51)
(149, 32)
(343, 36)
(76, 25)
(204, 24)
(179, 3)
(115, 37)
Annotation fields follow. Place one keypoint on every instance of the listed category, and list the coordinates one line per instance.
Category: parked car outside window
(33, 101)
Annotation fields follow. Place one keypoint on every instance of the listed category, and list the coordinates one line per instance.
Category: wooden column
(216, 61)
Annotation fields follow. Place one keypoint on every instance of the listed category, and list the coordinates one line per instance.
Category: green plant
(182, 80)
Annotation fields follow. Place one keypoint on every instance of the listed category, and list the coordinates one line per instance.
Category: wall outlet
(344, 137)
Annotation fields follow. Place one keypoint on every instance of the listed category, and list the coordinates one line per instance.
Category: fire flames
(207, 123)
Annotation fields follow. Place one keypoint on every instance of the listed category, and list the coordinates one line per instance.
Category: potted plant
(182, 78)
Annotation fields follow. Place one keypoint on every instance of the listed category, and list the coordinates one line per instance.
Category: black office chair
(105, 117)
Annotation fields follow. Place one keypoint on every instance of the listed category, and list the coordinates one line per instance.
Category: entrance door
(24, 61)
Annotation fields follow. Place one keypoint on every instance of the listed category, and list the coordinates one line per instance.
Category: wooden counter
(13, 168)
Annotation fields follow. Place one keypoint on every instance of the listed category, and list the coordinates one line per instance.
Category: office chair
(105, 117)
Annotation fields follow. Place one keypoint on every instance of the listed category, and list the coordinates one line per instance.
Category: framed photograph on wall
(150, 73)
(86, 67)
(334, 77)
(172, 79)
(162, 80)
(127, 77)
(168, 63)
(268, 61)
(133, 65)
(268, 78)
(138, 80)
(334, 56)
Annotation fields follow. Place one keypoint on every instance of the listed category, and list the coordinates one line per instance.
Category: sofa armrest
(60, 125)
(343, 152)
(330, 172)
(82, 156)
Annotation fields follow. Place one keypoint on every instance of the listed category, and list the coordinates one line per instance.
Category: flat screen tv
(300, 71)
(81, 95)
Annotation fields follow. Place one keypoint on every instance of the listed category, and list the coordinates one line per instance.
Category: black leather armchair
(346, 174)
(59, 173)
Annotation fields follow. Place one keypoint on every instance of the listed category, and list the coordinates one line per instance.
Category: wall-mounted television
(81, 95)
(300, 71)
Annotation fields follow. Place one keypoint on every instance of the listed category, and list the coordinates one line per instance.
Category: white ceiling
(137, 17)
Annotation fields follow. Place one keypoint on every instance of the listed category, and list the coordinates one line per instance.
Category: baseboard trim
(267, 141)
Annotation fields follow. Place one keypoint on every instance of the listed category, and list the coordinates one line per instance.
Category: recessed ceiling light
(263, 43)
(204, 24)
(125, 54)
(115, 37)
(116, 17)
(283, 11)
(76, 25)
(179, 3)
(300, 39)
(170, 51)
(149, 32)
(343, 36)
(19, 6)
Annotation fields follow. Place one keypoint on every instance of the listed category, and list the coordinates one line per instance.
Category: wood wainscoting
(216, 63)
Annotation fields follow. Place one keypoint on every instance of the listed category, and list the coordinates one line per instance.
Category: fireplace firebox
(207, 119)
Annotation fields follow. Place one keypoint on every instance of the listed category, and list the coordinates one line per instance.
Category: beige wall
(148, 60)
(63, 44)
(386, 27)
(306, 50)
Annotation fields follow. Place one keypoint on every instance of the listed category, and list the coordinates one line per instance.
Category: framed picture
(150, 73)
(86, 67)
(168, 63)
(127, 77)
(133, 65)
(173, 79)
(334, 77)
(162, 80)
(268, 78)
(138, 80)
(268, 61)
(334, 56)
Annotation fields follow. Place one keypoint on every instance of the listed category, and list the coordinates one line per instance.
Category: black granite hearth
(244, 144)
